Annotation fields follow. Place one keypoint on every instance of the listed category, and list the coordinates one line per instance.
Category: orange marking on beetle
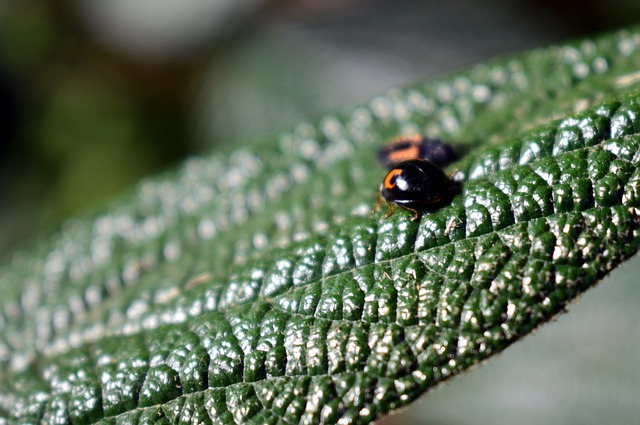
(414, 138)
(411, 152)
(388, 184)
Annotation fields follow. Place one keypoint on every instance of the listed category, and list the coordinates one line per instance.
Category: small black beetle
(414, 185)
(416, 147)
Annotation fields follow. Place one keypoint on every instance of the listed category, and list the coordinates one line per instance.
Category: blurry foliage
(85, 128)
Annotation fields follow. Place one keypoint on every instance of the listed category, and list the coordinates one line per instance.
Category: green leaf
(255, 287)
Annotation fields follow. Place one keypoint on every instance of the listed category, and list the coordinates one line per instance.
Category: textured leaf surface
(255, 287)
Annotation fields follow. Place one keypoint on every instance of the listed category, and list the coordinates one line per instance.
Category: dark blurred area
(95, 95)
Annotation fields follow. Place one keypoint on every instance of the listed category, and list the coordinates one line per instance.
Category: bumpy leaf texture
(255, 287)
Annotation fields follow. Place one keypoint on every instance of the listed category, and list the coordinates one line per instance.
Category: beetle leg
(390, 210)
(414, 211)
(376, 207)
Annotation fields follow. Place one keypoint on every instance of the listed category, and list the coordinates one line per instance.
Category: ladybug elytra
(416, 147)
(414, 185)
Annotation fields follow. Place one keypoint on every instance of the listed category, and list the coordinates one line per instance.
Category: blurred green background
(96, 94)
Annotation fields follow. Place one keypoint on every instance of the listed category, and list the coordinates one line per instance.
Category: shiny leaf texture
(256, 287)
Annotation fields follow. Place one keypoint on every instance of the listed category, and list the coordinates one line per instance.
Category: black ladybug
(416, 147)
(414, 185)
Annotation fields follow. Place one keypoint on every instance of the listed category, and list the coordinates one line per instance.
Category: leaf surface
(255, 286)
